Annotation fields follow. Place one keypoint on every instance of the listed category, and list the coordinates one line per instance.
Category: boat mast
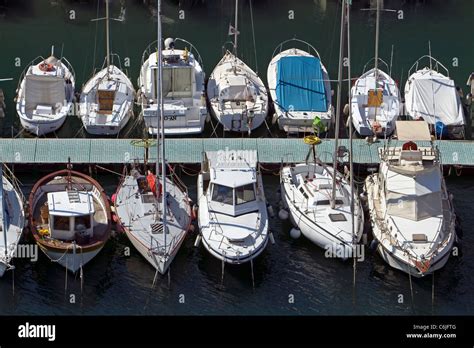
(338, 108)
(377, 29)
(107, 34)
(161, 128)
(236, 25)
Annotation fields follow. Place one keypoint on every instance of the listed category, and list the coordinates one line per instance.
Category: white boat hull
(42, 128)
(73, 262)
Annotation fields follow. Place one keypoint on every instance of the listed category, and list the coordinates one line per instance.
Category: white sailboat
(300, 89)
(12, 221)
(431, 95)
(184, 103)
(45, 94)
(233, 218)
(412, 215)
(155, 214)
(375, 97)
(107, 99)
(237, 96)
(319, 200)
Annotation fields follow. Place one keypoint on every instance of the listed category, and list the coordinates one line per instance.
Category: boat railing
(435, 67)
(379, 60)
(152, 47)
(282, 44)
(14, 181)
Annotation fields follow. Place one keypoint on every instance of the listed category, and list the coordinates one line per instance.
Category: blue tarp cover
(300, 85)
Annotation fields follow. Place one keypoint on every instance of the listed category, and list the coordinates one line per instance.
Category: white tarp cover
(43, 90)
(414, 198)
(423, 183)
(414, 207)
(413, 130)
(434, 97)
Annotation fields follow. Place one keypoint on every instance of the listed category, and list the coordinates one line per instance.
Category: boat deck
(190, 150)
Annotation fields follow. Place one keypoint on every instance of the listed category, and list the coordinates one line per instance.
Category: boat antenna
(338, 108)
(161, 128)
(236, 32)
(3, 213)
(429, 53)
(391, 61)
(52, 50)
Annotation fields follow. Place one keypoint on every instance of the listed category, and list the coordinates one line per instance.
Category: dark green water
(116, 284)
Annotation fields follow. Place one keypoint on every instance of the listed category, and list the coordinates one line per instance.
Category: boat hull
(42, 128)
(72, 261)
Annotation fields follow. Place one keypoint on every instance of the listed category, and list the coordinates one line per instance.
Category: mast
(107, 34)
(3, 214)
(236, 25)
(338, 108)
(377, 30)
(161, 128)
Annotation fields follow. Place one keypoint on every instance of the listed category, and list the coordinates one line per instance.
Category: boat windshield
(223, 194)
(243, 194)
(177, 82)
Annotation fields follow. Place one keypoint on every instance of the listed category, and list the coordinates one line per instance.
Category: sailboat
(411, 212)
(300, 89)
(375, 97)
(69, 217)
(237, 96)
(233, 220)
(319, 200)
(12, 221)
(154, 211)
(431, 95)
(184, 103)
(45, 94)
(107, 99)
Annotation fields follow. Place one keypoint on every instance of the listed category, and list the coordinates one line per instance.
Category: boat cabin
(233, 187)
(70, 215)
(236, 89)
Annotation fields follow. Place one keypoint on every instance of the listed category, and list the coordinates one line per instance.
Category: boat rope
(187, 173)
(108, 170)
(253, 278)
(277, 173)
(253, 36)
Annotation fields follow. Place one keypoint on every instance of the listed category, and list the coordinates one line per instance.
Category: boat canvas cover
(434, 97)
(415, 198)
(44, 90)
(300, 85)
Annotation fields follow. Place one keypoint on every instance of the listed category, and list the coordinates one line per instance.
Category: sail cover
(300, 84)
(433, 97)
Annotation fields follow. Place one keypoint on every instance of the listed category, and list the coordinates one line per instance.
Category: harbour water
(292, 276)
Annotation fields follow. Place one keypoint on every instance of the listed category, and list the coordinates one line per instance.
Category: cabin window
(177, 82)
(223, 194)
(244, 194)
(61, 223)
(82, 223)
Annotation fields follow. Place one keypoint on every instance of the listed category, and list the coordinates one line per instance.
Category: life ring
(312, 140)
(46, 67)
(410, 145)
